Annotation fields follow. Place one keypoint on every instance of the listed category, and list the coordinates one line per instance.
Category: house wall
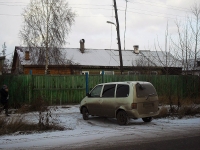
(1, 64)
(52, 71)
(69, 70)
(127, 71)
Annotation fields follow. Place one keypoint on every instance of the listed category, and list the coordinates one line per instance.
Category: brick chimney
(27, 55)
(82, 45)
(136, 49)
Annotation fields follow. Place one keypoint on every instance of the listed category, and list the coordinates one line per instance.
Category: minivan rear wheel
(85, 113)
(122, 118)
(147, 119)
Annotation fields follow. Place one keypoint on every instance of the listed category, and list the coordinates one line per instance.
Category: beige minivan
(121, 100)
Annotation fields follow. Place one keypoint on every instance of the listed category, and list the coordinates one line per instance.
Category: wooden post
(118, 38)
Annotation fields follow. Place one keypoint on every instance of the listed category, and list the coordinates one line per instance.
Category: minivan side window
(96, 91)
(122, 90)
(109, 90)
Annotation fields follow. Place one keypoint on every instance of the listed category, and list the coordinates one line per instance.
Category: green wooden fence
(72, 88)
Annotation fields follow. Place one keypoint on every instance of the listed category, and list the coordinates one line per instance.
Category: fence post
(30, 81)
(86, 82)
(102, 74)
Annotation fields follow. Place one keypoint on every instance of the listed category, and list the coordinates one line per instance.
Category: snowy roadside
(96, 130)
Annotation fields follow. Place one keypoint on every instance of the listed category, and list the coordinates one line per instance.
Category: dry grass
(15, 123)
(163, 112)
(39, 104)
(188, 110)
(9, 125)
(174, 100)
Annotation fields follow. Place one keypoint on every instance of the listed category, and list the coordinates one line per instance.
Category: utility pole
(118, 37)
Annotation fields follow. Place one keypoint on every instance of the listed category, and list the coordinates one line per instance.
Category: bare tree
(45, 27)
(188, 43)
(195, 27)
(185, 47)
(4, 49)
(7, 61)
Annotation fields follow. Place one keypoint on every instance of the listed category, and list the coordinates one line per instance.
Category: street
(185, 143)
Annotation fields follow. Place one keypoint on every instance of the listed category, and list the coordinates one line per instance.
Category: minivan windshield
(144, 90)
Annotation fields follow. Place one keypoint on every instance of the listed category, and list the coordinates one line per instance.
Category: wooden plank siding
(72, 88)
(40, 70)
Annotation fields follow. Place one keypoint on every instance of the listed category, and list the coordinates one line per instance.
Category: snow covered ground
(97, 130)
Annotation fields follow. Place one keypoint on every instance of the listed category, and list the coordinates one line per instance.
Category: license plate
(148, 105)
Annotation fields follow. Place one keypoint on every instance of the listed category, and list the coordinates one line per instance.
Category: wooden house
(2, 58)
(94, 61)
(192, 67)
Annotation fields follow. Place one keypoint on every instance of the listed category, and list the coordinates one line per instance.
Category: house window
(84, 72)
(198, 63)
(108, 72)
(133, 72)
(154, 72)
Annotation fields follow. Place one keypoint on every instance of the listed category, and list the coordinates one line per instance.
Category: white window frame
(133, 72)
(84, 72)
(108, 72)
(154, 72)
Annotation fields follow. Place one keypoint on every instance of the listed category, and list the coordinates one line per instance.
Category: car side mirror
(88, 94)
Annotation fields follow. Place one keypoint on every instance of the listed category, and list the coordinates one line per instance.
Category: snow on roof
(160, 58)
(102, 57)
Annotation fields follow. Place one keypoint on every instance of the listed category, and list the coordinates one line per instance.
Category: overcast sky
(146, 22)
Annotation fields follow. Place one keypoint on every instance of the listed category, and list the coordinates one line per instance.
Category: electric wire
(163, 5)
(149, 3)
(100, 9)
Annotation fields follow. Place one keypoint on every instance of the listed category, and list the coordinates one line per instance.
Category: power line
(89, 5)
(93, 8)
(9, 15)
(141, 2)
(111, 9)
(162, 5)
(118, 9)
(11, 5)
(76, 16)
(153, 14)
(150, 14)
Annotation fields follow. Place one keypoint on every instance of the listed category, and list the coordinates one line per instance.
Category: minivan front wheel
(122, 118)
(147, 119)
(85, 113)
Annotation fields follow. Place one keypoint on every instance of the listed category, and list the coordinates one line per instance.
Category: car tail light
(134, 105)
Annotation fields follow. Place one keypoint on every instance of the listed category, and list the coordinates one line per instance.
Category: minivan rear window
(144, 90)
(109, 90)
(122, 90)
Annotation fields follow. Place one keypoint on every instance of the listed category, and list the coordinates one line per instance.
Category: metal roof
(103, 57)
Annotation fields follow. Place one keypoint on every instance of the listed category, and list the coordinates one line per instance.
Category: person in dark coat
(4, 98)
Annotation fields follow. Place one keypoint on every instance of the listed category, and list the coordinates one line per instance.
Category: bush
(13, 124)
(188, 111)
(163, 112)
(39, 104)
(46, 121)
